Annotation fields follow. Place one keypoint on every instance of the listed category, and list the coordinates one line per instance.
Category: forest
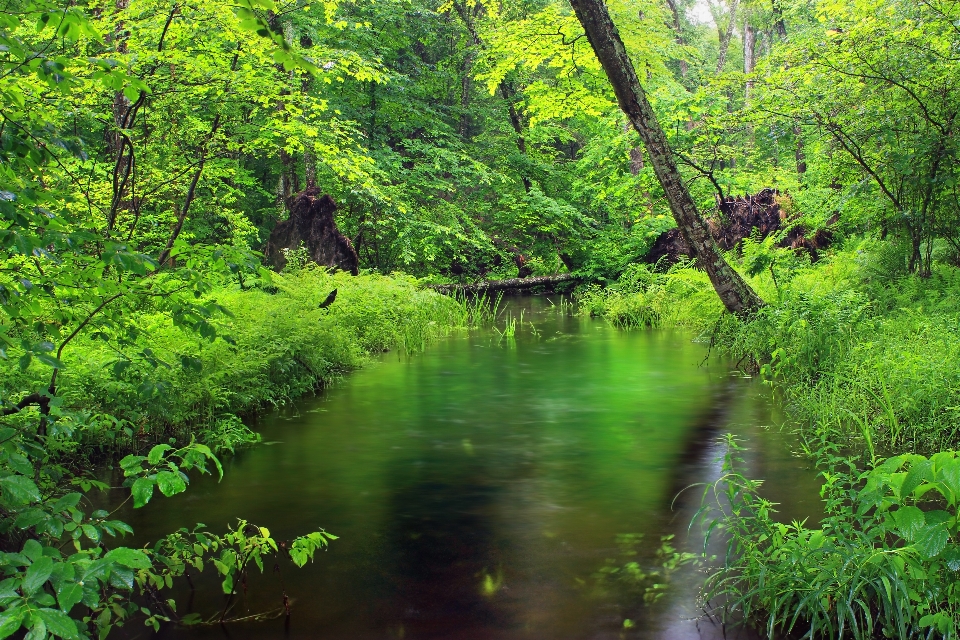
(210, 211)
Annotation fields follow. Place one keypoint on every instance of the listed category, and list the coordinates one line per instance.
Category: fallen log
(503, 285)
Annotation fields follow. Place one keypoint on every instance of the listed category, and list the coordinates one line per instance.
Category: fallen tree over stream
(515, 284)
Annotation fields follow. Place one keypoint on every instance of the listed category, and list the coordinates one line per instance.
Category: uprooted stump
(312, 223)
(755, 216)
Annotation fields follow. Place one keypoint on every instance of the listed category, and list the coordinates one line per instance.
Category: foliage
(643, 297)
(883, 562)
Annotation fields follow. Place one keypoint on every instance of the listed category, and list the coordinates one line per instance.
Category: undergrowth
(865, 357)
(276, 345)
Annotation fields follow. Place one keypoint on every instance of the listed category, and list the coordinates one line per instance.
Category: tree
(736, 294)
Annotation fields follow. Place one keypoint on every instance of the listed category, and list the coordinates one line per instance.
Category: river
(478, 489)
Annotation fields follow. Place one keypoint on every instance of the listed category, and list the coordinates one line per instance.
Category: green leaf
(156, 453)
(33, 550)
(131, 462)
(37, 574)
(68, 595)
(171, 483)
(10, 621)
(142, 491)
(38, 631)
(19, 490)
(919, 472)
(58, 623)
(949, 474)
(30, 518)
(131, 93)
(952, 557)
(133, 558)
(69, 500)
(92, 533)
(909, 521)
(932, 540)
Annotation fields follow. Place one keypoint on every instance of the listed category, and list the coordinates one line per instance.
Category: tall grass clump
(868, 356)
(642, 297)
(274, 343)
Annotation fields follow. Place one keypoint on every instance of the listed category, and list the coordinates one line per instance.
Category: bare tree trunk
(749, 56)
(727, 36)
(799, 154)
(778, 24)
(684, 69)
(734, 292)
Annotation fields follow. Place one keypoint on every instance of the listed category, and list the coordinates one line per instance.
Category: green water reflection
(476, 488)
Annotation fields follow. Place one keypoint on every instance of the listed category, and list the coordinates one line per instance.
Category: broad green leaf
(19, 490)
(68, 595)
(156, 453)
(133, 558)
(170, 483)
(909, 520)
(37, 574)
(949, 474)
(919, 472)
(952, 556)
(931, 540)
(59, 623)
(142, 491)
(48, 360)
(10, 621)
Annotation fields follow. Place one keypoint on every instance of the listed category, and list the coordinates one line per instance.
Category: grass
(276, 345)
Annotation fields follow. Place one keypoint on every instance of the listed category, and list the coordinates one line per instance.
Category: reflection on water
(478, 487)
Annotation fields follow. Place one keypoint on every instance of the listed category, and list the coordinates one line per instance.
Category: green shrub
(275, 344)
(883, 563)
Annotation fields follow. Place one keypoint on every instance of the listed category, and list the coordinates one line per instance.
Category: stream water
(478, 489)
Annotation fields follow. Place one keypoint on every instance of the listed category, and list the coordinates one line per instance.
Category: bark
(749, 56)
(287, 183)
(503, 285)
(778, 24)
(684, 68)
(727, 36)
(734, 292)
(798, 153)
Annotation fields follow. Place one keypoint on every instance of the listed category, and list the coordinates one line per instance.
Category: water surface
(479, 488)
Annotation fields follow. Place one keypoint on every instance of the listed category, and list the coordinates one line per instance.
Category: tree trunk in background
(734, 292)
(749, 56)
(778, 24)
(287, 183)
(505, 89)
(727, 36)
(798, 153)
(676, 26)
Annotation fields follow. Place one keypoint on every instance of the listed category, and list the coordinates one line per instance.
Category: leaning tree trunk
(736, 294)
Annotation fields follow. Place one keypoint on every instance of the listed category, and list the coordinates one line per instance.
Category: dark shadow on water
(479, 487)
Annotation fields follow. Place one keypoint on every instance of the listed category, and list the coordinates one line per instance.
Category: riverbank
(274, 343)
(865, 357)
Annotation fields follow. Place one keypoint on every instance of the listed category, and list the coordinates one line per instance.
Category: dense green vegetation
(147, 149)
